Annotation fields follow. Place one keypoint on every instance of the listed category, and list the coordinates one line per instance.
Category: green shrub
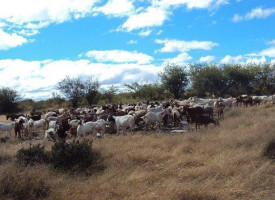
(8, 100)
(32, 155)
(74, 156)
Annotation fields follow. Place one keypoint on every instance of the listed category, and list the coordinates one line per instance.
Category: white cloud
(269, 52)
(37, 79)
(256, 57)
(28, 32)
(207, 59)
(28, 16)
(259, 13)
(160, 10)
(191, 4)
(145, 33)
(180, 59)
(237, 18)
(132, 42)
(272, 42)
(119, 56)
(19, 12)
(256, 60)
(8, 41)
(159, 32)
(117, 8)
(153, 16)
(2, 24)
(183, 46)
(231, 59)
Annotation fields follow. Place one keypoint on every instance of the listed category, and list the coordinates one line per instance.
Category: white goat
(30, 125)
(61, 110)
(90, 127)
(52, 124)
(123, 121)
(155, 117)
(74, 122)
(50, 134)
(40, 124)
(49, 114)
(7, 127)
(155, 109)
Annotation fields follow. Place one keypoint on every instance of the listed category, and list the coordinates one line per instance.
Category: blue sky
(121, 41)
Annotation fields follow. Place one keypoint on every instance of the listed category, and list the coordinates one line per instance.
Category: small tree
(92, 93)
(146, 91)
(8, 100)
(76, 89)
(72, 89)
(207, 79)
(109, 94)
(264, 82)
(134, 89)
(174, 79)
(56, 98)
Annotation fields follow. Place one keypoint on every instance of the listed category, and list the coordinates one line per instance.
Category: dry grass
(224, 162)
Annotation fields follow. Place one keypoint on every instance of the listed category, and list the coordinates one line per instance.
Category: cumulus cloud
(8, 41)
(119, 56)
(180, 59)
(231, 59)
(191, 4)
(240, 59)
(159, 11)
(28, 11)
(183, 46)
(256, 60)
(269, 52)
(28, 16)
(258, 13)
(152, 16)
(256, 57)
(37, 79)
(117, 8)
(207, 59)
(172, 45)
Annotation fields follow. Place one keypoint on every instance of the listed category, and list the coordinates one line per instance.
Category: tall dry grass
(224, 162)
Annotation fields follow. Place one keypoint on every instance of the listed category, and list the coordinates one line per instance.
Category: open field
(224, 162)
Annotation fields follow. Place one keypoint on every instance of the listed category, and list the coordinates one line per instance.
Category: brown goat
(204, 120)
(219, 111)
(18, 128)
(73, 131)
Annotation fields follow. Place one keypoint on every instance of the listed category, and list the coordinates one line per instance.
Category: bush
(269, 151)
(74, 156)
(4, 139)
(8, 100)
(20, 184)
(32, 155)
(65, 156)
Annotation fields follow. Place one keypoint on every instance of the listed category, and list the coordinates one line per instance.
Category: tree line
(175, 82)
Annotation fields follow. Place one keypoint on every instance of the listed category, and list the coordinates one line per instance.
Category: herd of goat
(97, 120)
